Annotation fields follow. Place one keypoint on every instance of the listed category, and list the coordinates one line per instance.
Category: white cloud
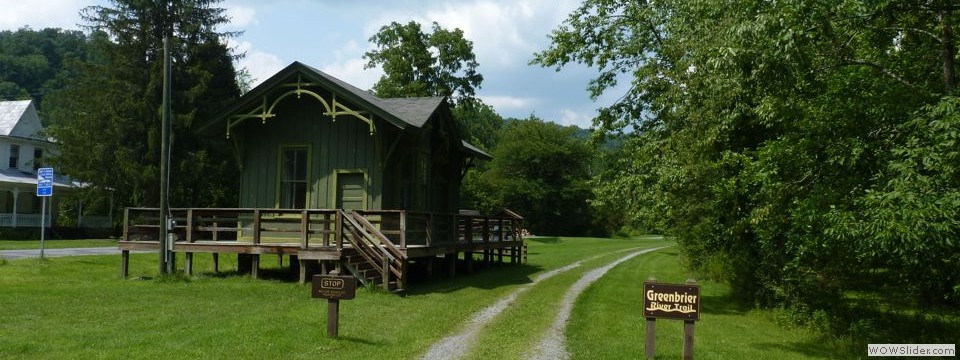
(351, 71)
(505, 33)
(493, 27)
(41, 14)
(508, 103)
(348, 66)
(570, 117)
(241, 16)
(260, 64)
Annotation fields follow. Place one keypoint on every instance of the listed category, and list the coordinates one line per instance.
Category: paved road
(33, 253)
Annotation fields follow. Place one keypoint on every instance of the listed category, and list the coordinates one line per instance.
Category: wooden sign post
(334, 288)
(674, 302)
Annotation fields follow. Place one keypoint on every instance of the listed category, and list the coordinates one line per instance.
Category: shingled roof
(20, 119)
(404, 113)
(401, 112)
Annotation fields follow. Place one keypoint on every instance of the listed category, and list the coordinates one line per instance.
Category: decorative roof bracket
(264, 112)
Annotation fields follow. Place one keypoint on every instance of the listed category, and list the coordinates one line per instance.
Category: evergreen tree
(108, 121)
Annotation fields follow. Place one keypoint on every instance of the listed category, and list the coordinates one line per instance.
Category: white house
(22, 146)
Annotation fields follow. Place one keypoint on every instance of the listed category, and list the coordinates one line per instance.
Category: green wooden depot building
(335, 176)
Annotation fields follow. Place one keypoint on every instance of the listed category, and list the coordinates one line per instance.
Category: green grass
(608, 323)
(522, 325)
(55, 244)
(77, 307)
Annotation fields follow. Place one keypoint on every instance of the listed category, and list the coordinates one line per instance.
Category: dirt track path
(553, 345)
(457, 345)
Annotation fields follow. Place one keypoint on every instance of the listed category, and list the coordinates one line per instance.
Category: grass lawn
(77, 307)
(607, 322)
(520, 328)
(55, 244)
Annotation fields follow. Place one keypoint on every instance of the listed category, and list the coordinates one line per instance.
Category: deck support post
(513, 255)
(385, 275)
(255, 266)
(468, 257)
(124, 263)
(216, 263)
(303, 271)
(188, 263)
(402, 279)
(323, 267)
(500, 255)
(430, 261)
(452, 262)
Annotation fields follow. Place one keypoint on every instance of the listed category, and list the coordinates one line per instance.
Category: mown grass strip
(608, 323)
(78, 307)
(517, 330)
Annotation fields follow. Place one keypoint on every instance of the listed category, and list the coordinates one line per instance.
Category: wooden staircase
(372, 258)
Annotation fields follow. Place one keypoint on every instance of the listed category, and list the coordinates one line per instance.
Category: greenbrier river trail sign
(671, 302)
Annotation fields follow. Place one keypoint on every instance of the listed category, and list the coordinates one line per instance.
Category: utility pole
(165, 246)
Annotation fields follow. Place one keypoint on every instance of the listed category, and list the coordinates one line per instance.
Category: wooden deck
(375, 246)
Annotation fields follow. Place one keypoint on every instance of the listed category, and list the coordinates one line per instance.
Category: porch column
(16, 193)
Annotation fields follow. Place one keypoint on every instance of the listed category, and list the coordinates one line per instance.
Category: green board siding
(344, 144)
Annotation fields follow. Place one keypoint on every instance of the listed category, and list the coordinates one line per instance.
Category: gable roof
(403, 113)
(19, 119)
(414, 111)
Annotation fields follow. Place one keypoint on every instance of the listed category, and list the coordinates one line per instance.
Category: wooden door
(351, 191)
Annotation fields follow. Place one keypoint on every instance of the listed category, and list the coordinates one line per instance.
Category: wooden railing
(380, 238)
(308, 228)
(411, 228)
(322, 227)
(374, 247)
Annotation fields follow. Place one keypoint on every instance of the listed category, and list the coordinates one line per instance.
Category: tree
(540, 170)
(414, 63)
(441, 63)
(108, 120)
(479, 123)
(769, 137)
(33, 63)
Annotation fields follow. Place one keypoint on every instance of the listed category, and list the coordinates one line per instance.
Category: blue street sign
(45, 182)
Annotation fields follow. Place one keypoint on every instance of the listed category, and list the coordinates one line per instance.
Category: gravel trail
(553, 346)
(457, 345)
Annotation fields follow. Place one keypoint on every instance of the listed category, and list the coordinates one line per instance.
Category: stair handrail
(363, 248)
(386, 258)
(391, 250)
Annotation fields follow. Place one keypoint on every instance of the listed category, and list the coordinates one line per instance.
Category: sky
(332, 35)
